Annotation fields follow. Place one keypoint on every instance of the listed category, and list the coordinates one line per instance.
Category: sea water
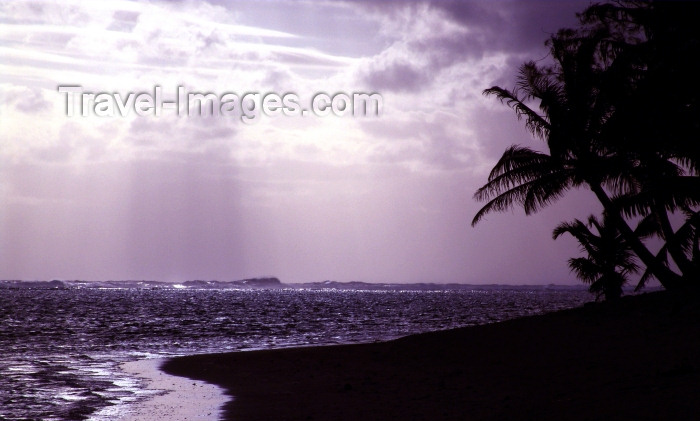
(61, 347)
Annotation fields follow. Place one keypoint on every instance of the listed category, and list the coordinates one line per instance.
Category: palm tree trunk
(694, 220)
(689, 270)
(668, 278)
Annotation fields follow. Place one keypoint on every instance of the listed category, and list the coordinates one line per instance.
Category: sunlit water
(62, 347)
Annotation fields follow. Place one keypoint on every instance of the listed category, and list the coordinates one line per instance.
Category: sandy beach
(637, 359)
(171, 397)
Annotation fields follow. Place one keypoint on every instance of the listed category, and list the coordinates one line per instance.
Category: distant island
(271, 282)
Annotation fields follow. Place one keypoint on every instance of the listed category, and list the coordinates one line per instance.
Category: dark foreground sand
(639, 359)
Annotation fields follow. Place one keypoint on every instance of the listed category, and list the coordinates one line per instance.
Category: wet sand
(637, 359)
(172, 396)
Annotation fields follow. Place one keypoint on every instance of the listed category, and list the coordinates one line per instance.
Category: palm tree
(687, 237)
(611, 124)
(652, 50)
(662, 189)
(573, 114)
(610, 259)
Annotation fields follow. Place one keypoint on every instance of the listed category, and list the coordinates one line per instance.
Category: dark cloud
(510, 26)
(517, 28)
(507, 25)
(398, 76)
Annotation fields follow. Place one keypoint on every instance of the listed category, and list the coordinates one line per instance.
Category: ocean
(62, 343)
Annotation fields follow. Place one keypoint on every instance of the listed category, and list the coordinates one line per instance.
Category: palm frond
(534, 122)
(579, 230)
(585, 269)
(533, 195)
(519, 164)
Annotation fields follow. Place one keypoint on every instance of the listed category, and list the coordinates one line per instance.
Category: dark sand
(638, 359)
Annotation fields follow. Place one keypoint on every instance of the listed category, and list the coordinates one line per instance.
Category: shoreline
(169, 397)
(636, 359)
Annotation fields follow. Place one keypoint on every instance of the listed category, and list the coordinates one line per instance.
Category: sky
(383, 198)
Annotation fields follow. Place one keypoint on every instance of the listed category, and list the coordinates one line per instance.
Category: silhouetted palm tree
(610, 260)
(653, 50)
(573, 113)
(660, 190)
(610, 125)
(688, 239)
